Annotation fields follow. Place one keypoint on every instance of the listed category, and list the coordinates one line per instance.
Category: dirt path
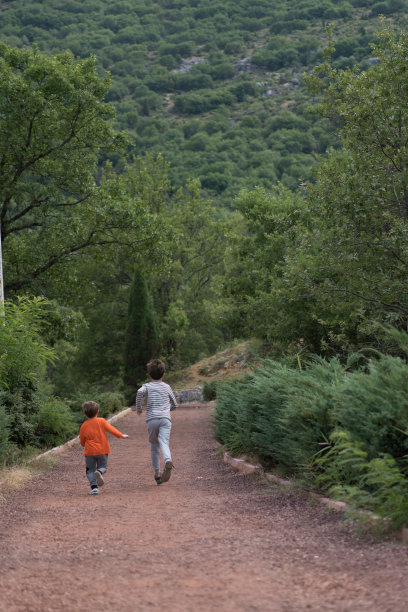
(209, 540)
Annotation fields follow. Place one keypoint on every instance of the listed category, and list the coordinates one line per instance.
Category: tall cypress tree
(141, 331)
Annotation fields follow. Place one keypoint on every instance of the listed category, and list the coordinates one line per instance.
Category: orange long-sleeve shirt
(93, 438)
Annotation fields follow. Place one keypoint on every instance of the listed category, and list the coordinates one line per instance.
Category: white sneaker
(95, 491)
(99, 478)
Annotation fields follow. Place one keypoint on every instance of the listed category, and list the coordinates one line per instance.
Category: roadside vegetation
(340, 428)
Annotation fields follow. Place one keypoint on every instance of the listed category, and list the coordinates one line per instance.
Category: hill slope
(215, 86)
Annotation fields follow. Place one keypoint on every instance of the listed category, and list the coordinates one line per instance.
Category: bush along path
(209, 539)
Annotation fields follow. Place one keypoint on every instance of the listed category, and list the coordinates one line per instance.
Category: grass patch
(17, 476)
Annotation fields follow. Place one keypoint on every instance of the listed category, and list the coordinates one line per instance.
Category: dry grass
(12, 478)
(231, 362)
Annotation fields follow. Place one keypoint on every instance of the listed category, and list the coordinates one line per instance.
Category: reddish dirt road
(209, 540)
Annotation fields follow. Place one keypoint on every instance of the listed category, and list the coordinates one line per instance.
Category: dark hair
(156, 368)
(90, 409)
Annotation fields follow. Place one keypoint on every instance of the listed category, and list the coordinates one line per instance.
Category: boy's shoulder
(91, 422)
(159, 383)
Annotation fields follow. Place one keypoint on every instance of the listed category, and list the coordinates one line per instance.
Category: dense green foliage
(141, 342)
(75, 232)
(29, 416)
(215, 86)
(52, 121)
(340, 427)
(4, 433)
(324, 268)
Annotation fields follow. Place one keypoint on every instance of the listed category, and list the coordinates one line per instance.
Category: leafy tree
(53, 125)
(266, 301)
(188, 296)
(141, 331)
(23, 358)
(360, 200)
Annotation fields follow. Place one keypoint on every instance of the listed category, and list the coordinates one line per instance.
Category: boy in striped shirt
(160, 401)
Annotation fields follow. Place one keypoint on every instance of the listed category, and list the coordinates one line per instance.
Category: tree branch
(343, 291)
(58, 257)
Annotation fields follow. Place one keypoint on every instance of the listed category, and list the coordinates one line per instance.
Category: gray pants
(95, 462)
(159, 438)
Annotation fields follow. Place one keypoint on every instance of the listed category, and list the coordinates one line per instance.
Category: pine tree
(141, 331)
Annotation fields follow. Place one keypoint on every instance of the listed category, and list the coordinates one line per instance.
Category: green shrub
(308, 414)
(229, 395)
(266, 396)
(23, 358)
(4, 433)
(54, 423)
(109, 403)
(341, 427)
(346, 472)
(21, 407)
(210, 391)
(373, 407)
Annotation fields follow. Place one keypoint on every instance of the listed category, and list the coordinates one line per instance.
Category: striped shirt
(160, 400)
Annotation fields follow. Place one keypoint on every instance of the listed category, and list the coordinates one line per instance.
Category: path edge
(63, 447)
(245, 467)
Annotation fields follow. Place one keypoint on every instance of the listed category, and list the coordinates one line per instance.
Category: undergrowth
(341, 428)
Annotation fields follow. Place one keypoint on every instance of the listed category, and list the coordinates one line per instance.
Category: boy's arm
(139, 400)
(173, 401)
(115, 432)
(82, 436)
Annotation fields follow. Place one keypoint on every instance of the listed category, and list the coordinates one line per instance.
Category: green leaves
(23, 354)
(342, 430)
(359, 203)
(264, 281)
(53, 125)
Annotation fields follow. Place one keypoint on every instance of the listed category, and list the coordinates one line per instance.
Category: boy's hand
(125, 436)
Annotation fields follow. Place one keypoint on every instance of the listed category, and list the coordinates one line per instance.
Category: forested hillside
(216, 86)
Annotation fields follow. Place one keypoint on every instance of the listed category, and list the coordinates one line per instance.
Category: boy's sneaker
(158, 479)
(95, 491)
(99, 478)
(167, 471)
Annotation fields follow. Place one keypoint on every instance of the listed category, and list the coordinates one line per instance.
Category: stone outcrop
(189, 395)
(245, 65)
(187, 64)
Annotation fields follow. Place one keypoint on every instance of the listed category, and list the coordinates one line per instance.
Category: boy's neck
(157, 379)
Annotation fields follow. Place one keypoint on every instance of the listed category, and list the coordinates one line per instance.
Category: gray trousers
(159, 438)
(95, 462)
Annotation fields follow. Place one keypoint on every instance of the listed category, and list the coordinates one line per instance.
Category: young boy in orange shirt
(93, 438)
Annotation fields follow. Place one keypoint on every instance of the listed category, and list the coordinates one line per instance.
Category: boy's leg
(164, 439)
(90, 464)
(102, 466)
(102, 463)
(153, 429)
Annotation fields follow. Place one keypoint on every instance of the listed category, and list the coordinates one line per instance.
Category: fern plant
(377, 484)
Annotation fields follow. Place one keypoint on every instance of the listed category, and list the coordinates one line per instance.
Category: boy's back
(160, 400)
(93, 436)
